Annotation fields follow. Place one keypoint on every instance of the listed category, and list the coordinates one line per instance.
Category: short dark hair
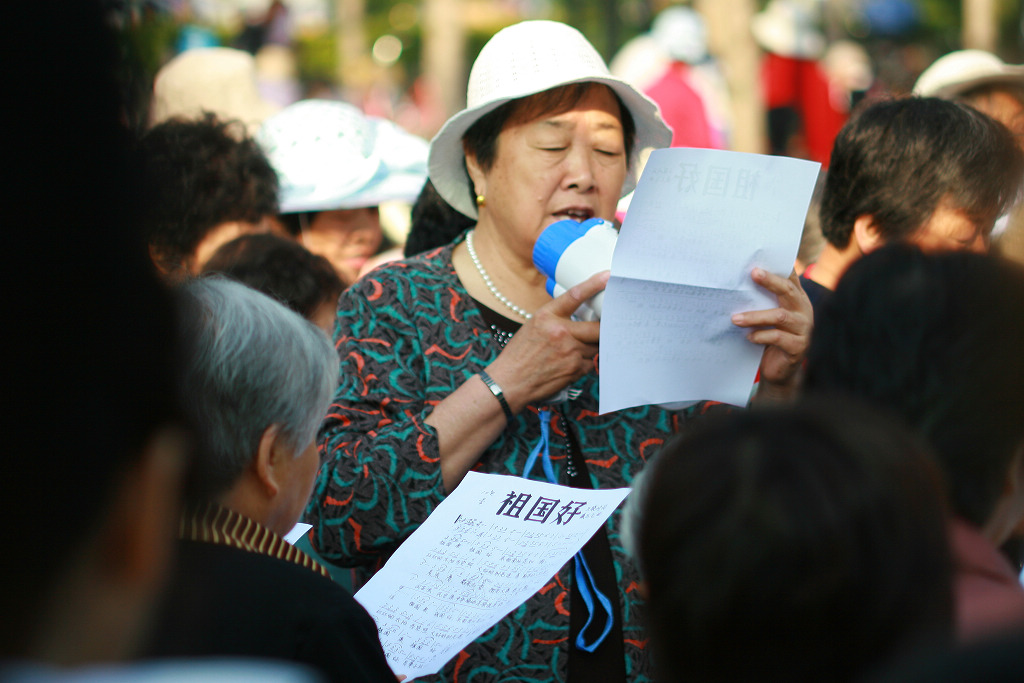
(281, 268)
(800, 544)
(897, 160)
(199, 174)
(937, 339)
(482, 137)
(435, 222)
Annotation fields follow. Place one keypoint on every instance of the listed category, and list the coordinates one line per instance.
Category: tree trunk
(444, 51)
(729, 38)
(980, 30)
(349, 18)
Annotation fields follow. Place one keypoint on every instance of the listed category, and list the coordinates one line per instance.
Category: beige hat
(215, 79)
(960, 71)
(521, 60)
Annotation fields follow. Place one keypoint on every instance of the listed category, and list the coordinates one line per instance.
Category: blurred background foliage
(909, 32)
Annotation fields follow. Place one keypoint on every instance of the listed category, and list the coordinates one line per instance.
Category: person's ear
(137, 539)
(866, 233)
(165, 267)
(271, 455)
(1015, 476)
(476, 173)
(100, 607)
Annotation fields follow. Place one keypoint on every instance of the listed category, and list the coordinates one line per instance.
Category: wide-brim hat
(963, 70)
(220, 80)
(329, 155)
(521, 60)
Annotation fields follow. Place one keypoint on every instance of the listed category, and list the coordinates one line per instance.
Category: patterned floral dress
(408, 335)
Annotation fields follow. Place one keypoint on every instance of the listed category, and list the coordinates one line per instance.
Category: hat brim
(1011, 75)
(446, 161)
(404, 186)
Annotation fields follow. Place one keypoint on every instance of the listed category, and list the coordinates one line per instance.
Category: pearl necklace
(487, 280)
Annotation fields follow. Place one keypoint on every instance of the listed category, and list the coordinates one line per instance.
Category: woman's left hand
(785, 333)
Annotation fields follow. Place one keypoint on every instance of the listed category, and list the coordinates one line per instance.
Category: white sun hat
(521, 60)
(958, 72)
(329, 155)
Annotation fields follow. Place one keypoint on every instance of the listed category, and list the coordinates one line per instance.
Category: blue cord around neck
(583, 576)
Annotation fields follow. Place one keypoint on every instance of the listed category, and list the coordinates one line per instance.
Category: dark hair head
(200, 174)
(92, 341)
(936, 339)
(435, 222)
(281, 268)
(796, 544)
(481, 139)
(897, 160)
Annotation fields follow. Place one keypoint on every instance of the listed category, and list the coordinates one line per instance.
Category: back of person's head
(898, 161)
(283, 269)
(253, 365)
(435, 222)
(936, 339)
(200, 174)
(793, 544)
(92, 385)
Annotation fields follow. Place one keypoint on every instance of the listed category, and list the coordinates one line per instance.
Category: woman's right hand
(550, 351)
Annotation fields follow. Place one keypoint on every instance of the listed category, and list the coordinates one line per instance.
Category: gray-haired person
(257, 383)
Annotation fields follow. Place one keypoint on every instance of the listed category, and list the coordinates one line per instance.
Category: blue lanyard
(584, 577)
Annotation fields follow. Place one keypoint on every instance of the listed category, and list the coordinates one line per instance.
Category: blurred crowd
(262, 309)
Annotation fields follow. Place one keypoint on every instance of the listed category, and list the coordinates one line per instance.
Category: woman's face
(556, 166)
(345, 237)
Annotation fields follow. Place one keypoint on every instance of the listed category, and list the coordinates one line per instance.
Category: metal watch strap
(498, 394)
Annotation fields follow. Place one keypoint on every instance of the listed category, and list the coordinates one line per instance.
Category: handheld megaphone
(569, 252)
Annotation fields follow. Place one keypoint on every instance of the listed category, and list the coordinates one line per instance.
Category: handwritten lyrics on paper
(494, 542)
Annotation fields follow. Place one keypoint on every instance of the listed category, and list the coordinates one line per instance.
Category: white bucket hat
(957, 72)
(521, 60)
(215, 79)
(329, 155)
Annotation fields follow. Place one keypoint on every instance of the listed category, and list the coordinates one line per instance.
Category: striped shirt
(211, 523)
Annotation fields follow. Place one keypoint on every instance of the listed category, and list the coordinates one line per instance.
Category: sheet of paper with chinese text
(490, 545)
(699, 222)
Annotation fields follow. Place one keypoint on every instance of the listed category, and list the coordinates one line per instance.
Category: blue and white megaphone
(569, 252)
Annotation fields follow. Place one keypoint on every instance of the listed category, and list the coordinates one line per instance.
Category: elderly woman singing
(451, 360)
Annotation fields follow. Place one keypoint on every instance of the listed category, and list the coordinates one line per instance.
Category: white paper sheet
(490, 545)
(699, 222)
(297, 532)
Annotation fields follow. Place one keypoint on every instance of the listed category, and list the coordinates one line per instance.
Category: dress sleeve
(380, 475)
